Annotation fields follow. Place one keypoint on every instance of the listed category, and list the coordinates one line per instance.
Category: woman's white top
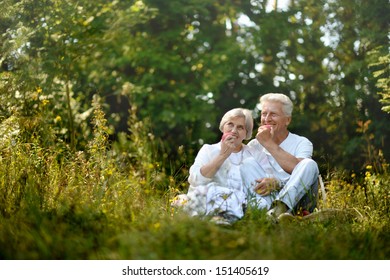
(228, 175)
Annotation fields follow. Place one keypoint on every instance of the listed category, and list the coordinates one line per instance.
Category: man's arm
(283, 158)
(286, 160)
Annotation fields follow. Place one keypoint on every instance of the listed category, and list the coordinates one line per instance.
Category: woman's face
(236, 126)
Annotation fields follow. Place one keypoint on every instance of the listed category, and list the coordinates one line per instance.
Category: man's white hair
(278, 97)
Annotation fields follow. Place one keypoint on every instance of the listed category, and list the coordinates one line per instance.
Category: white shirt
(228, 175)
(203, 191)
(294, 144)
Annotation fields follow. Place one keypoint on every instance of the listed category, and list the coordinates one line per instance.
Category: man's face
(272, 114)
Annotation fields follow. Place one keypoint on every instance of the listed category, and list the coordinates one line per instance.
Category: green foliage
(109, 204)
(103, 105)
(368, 194)
(380, 64)
(184, 63)
(131, 225)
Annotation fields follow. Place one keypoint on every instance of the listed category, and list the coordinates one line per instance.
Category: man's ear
(288, 121)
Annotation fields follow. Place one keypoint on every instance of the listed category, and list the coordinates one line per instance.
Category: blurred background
(177, 66)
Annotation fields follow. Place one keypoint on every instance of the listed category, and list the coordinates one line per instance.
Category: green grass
(114, 203)
(139, 224)
(91, 235)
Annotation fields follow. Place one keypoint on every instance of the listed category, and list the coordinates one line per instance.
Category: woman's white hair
(239, 112)
(278, 97)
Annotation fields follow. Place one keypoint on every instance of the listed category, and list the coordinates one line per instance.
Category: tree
(183, 64)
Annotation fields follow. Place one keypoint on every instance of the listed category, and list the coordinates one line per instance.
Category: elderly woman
(216, 187)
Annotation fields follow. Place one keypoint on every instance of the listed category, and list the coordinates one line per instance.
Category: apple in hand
(226, 134)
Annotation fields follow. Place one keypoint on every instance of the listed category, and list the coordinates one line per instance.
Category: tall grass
(112, 201)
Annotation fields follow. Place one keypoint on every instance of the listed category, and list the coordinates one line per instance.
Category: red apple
(226, 134)
(305, 213)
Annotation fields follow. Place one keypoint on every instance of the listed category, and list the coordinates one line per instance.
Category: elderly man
(281, 176)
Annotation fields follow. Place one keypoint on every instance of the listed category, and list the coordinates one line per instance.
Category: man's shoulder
(298, 145)
(297, 138)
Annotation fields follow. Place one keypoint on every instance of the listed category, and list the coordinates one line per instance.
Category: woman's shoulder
(210, 147)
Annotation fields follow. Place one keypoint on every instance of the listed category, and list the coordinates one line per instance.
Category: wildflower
(369, 167)
(57, 119)
(179, 200)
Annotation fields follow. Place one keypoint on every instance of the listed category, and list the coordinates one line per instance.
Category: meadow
(112, 201)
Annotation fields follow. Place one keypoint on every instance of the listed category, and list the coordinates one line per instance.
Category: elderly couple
(274, 171)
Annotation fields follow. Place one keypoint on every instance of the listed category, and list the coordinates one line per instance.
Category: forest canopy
(179, 65)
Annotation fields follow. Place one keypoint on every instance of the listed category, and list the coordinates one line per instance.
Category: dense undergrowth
(112, 201)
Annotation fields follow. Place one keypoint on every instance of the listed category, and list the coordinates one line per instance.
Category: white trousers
(300, 190)
(213, 199)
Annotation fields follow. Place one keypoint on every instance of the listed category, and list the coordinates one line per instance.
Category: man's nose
(267, 117)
